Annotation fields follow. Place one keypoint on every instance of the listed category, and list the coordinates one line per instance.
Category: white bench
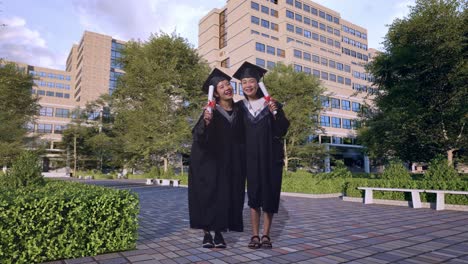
(440, 202)
(369, 197)
(168, 182)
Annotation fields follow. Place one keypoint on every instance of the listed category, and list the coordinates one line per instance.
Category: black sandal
(254, 244)
(266, 243)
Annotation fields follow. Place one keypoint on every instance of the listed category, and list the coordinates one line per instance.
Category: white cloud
(21, 44)
(126, 20)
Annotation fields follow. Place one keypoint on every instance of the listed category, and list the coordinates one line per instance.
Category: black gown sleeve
(201, 133)
(280, 123)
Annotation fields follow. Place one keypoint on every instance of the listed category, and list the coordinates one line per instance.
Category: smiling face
(250, 87)
(224, 91)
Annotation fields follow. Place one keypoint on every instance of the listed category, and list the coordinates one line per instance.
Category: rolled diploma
(265, 94)
(210, 98)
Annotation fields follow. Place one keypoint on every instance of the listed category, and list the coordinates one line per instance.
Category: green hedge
(65, 220)
(300, 182)
(304, 182)
(458, 185)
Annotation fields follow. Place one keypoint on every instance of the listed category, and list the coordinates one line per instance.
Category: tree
(17, 108)
(421, 109)
(300, 94)
(156, 98)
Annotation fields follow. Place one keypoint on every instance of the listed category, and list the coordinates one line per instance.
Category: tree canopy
(156, 98)
(17, 108)
(421, 108)
(300, 94)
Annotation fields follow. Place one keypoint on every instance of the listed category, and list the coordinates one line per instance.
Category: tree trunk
(450, 156)
(165, 165)
(4, 168)
(74, 155)
(286, 160)
(181, 164)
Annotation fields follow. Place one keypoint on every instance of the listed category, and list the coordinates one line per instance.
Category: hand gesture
(207, 116)
(273, 106)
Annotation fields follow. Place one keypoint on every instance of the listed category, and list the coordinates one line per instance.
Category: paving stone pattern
(304, 231)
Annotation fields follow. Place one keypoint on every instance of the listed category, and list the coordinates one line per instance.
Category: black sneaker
(208, 241)
(219, 240)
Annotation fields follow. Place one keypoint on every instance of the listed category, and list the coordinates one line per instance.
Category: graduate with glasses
(216, 183)
(265, 125)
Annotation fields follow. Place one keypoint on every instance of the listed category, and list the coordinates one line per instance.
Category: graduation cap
(214, 78)
(249, 70)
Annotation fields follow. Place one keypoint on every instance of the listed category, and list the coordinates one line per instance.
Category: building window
(289, 2)
(58, 129)
(234, 86)
(260, 47)
(265, 10)
(298, 4)
(59, 112)
(225, 63)
(323, 39)
(315, 58)
(260, 62)
(271, 50)
(299, 31)
(336, 20)
(322, 27)
(348, 81)
(274, 13)
(306, 20)
(254, 5)
(274, 26)
(306, 8)
(324, 75)
(49, 93)
(346, 123)
(307, 56)
(298, 17)
(322, 14)
(329, 18)
(289, 14)
(347, 68)
(222, 30)
(280, 53)
(59, 95)
(335, 103)
(307, 70)
(346, 105)
(316, 73)
(298, 54)
(336, 122)
(30, 127)
(313, 11)
(315, 36)
(44, 128)
(40, 92)
(307, 34)
(290, 27)
(297, 68)
(265, 23)
(340, 79)
(255, 20)
(332, 77)
(356, 107)
(270, 65)
(314, 24)
(46, 111)
(325, 101)
(325, 121)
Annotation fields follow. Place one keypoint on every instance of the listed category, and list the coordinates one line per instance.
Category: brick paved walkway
(305, 231)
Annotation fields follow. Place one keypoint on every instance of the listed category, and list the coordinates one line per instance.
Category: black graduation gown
(264, 157)
(216, 183)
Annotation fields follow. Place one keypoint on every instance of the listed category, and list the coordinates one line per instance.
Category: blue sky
(42, 32)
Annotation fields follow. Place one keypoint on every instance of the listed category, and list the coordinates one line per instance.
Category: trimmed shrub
(396, 170)
(25, 171)
(439, 170)
(304, 182)
(65, 220)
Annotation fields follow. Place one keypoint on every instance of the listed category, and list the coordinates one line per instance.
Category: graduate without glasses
(216, 175)
(265, 126)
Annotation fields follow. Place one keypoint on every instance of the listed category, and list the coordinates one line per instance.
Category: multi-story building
(312, 38)
(92, 69)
